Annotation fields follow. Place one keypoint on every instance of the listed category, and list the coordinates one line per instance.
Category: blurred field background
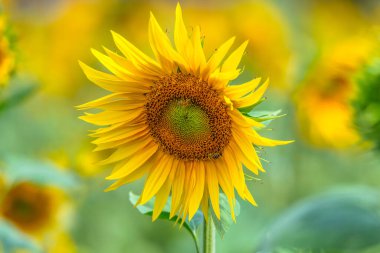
(320, 194)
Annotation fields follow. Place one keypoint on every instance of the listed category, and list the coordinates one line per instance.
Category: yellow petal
(138, 58)
(197, 193)
(181, 38)
(204, 203)
(219, 80)
(163, 49)
(217, 58)
(241, 121)
(177, 188)
(125, 132)
(156, 178)
(113, 67)
(253, 97)
(134, 162)
(110, 82)
(137, 174)
(161, 198)
(187, 190)
(137, 71)
(249, 197)
(225, 182)
(100, 131)
(263, 141)
(237, 91)
(127, 150)
(112, 117)
(249, 151)
(246, 154)
(237, 174)
(100, 101)
(199, 59)
(232, 62)
(213, 187)
(121, 105)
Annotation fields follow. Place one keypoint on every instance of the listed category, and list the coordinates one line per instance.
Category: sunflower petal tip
(151, 15)
(113, 33)
(108, 189)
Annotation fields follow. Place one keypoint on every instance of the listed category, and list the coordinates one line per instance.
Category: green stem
(209, 243)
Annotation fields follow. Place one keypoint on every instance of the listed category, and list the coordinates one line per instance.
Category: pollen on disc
(188, 118)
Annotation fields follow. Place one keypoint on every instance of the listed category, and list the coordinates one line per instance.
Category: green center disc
(189, 122)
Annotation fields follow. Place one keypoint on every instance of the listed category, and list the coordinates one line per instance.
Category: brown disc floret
(187, 117)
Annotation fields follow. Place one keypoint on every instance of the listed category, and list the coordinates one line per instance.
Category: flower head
(323, 101)
(177, 120)
(7, 58)
(32, 208)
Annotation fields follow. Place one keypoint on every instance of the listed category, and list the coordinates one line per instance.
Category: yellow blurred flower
(269, 48)
(48, 49)
(83, 162)
(7, 57)
(344, 41)
(323, 102)
(177, 119)
(31, 207)
(39, 212)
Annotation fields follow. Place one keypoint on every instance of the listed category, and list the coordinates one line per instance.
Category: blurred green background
(320, 194)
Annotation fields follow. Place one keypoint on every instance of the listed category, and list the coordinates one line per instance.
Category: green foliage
(191, 226)
(266, 117)
(249, 109)
(345, 220)
(222, 225)
(18, 91)
(225, 222)
(18, 169)
(367, 102)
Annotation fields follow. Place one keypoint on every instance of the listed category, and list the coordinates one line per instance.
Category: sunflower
(32, 208)
(7, 59)
(324, 109)
(38, 210)
(177, 120)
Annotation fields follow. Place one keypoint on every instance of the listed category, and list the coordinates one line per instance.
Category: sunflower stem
(209, 243)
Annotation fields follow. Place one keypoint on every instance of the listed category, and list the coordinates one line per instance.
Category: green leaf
(11, 239)
(248, 109)
(17, 96)
(225, 222)
(342, 220)
(265, 117)
(191, 226)
(18, 169)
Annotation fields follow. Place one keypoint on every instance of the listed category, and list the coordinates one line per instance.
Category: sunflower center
(27, 206)
(187, 121)
(188, 118)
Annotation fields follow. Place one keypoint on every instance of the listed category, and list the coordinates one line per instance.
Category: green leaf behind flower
(191, 226)
(225, 222)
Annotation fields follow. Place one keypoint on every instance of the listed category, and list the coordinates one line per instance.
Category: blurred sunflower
(324, 108)
(177, 120)
(56, 23)
(36, 210)
(266, 28)
(7, 58)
